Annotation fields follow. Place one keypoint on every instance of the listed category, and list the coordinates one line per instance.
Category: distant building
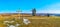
(34, 12)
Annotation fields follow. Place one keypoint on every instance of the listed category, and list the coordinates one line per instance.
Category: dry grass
(37, 21)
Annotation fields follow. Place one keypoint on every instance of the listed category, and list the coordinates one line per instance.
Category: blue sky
(42, 6)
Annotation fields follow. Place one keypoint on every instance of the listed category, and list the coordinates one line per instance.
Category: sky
(26, 6)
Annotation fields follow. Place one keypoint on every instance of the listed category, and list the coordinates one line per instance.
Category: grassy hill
(36, 21)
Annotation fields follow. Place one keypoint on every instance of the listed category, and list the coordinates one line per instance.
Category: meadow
(36, 21)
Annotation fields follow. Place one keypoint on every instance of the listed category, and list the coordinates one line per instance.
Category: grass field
(36, 21)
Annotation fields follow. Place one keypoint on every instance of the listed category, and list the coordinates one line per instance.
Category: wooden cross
(19, 12)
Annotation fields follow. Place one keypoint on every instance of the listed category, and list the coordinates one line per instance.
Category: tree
(34, 12)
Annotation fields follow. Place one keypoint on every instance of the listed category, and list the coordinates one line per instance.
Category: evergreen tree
(34, 12)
